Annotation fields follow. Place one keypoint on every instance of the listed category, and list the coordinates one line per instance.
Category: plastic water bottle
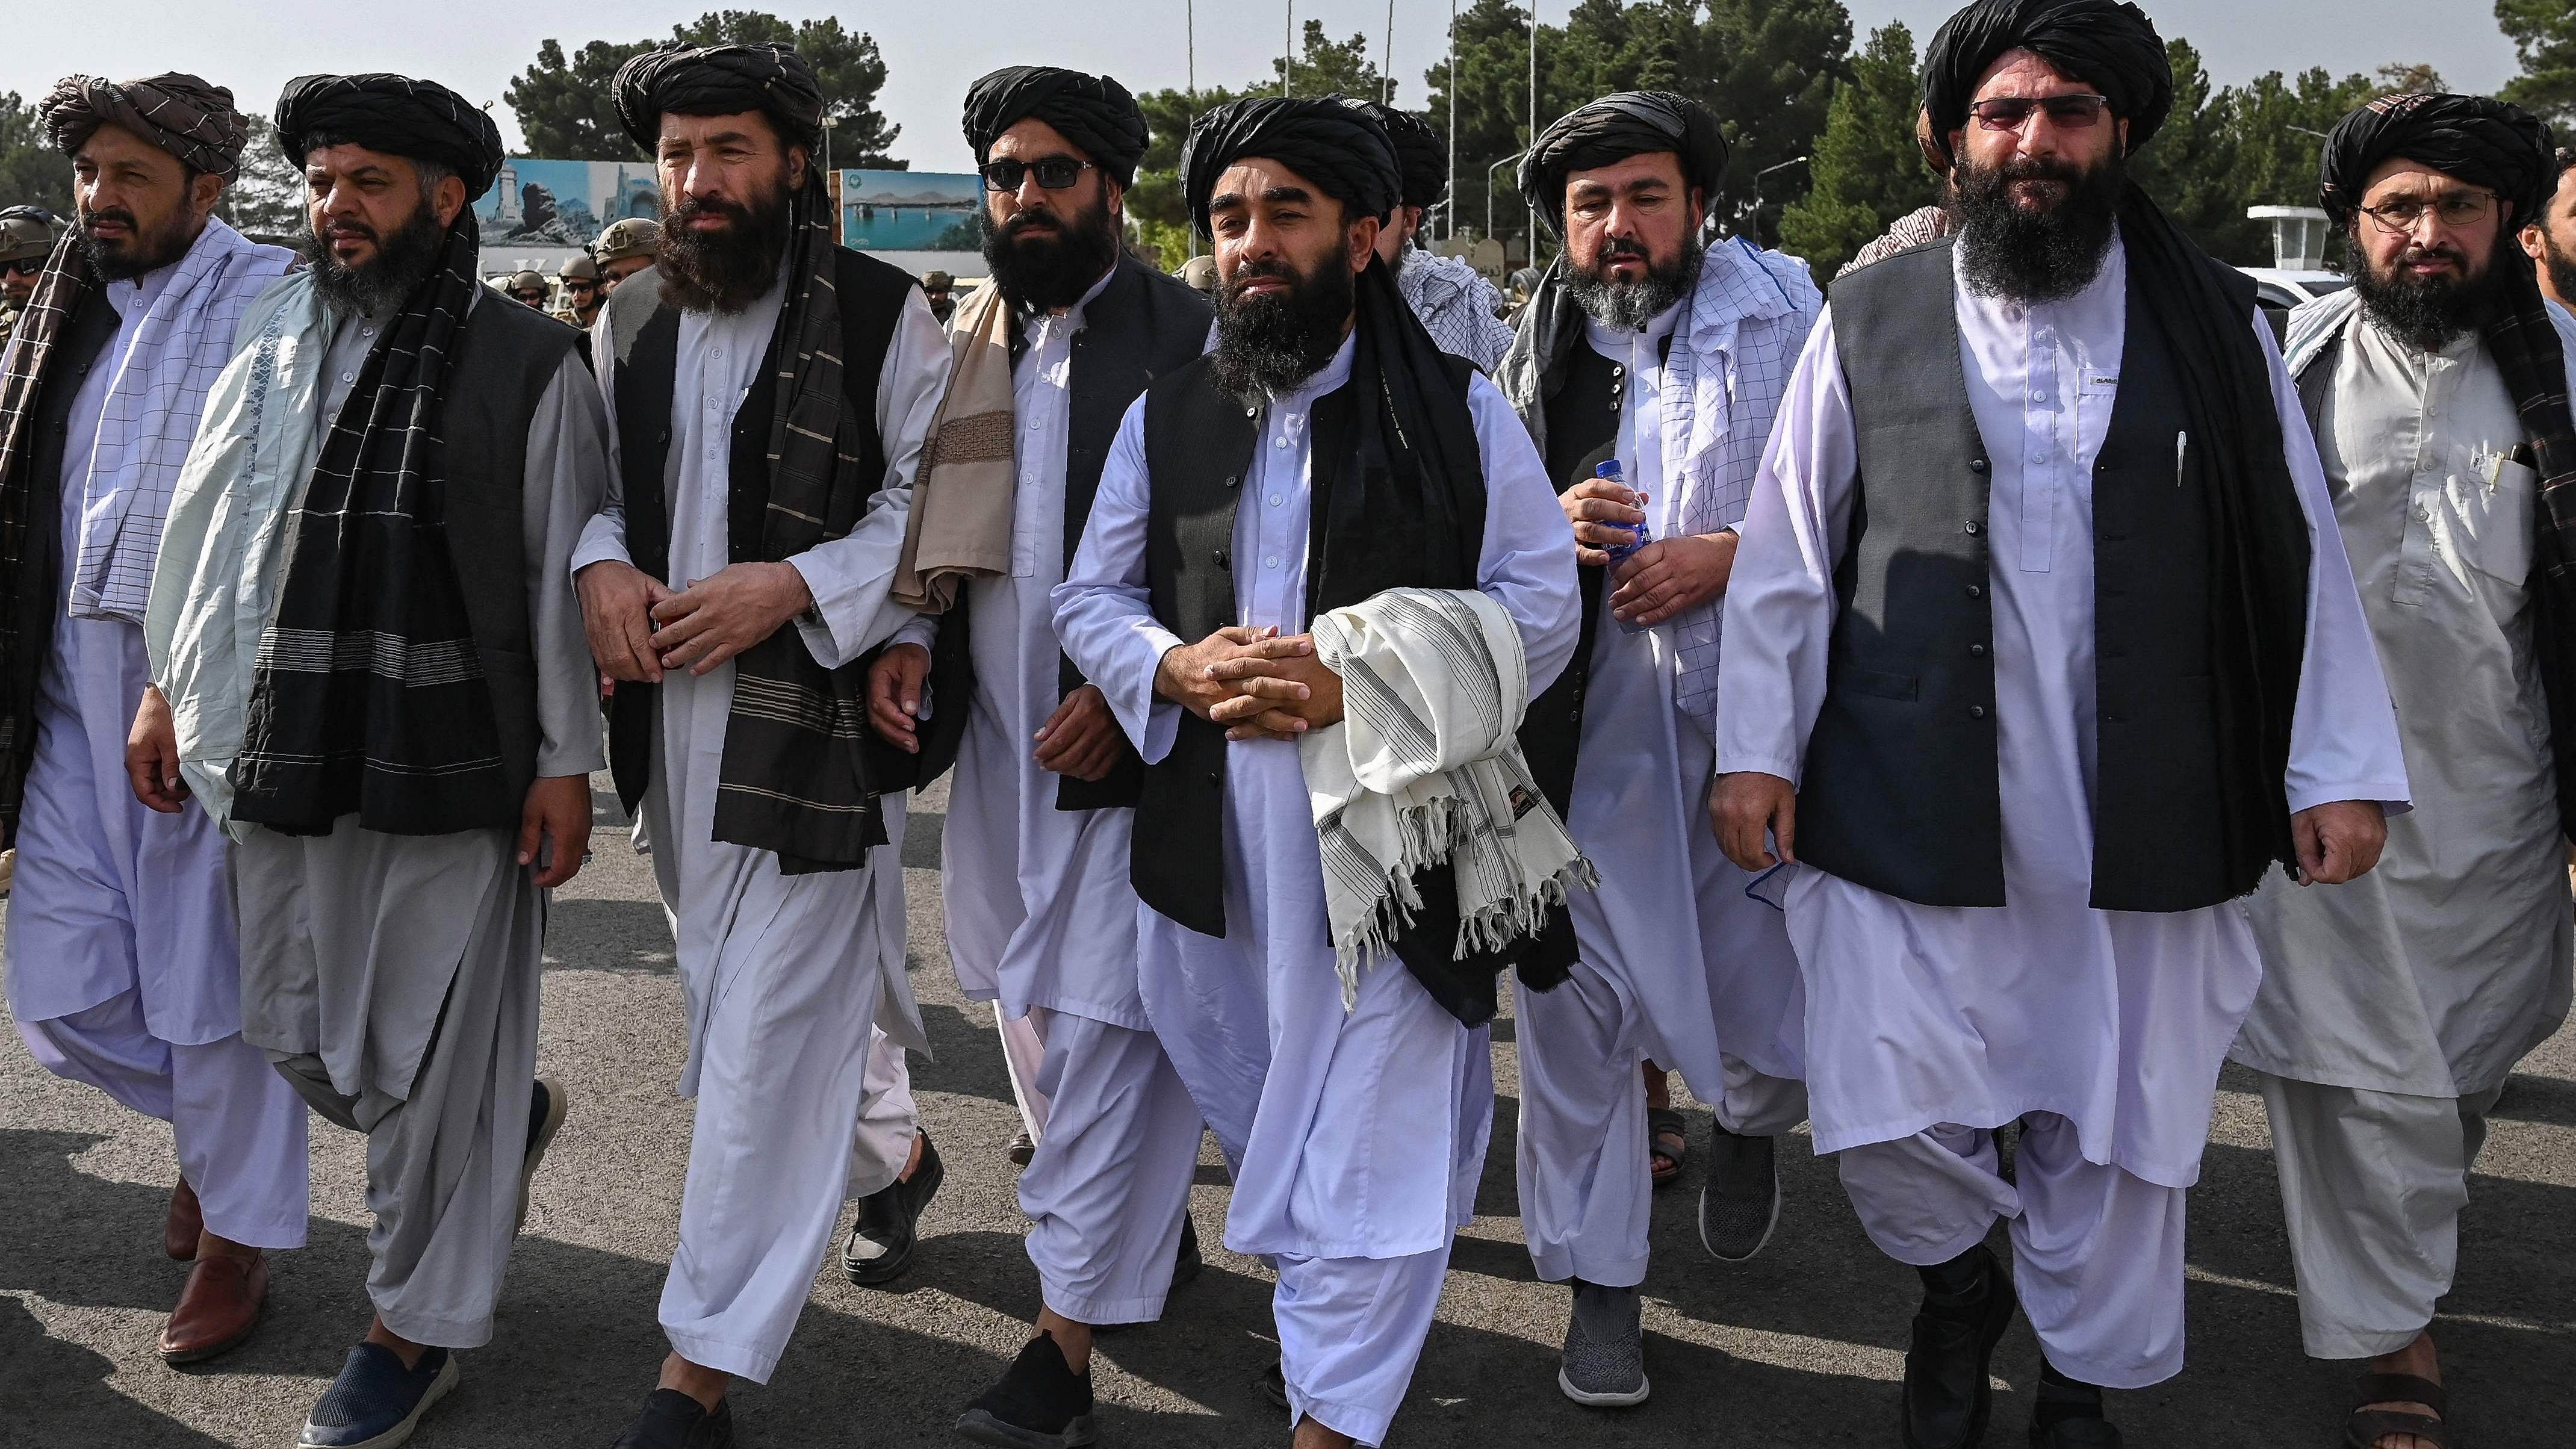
(1640, 534)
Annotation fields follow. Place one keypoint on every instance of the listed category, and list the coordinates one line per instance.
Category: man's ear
(204, 192)
(798, 158)
(2123, 123)
(449, 199)
(1362, 241)
(1113, 196)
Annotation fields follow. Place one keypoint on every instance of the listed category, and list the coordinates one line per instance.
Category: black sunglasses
(1055, 173)
(24, 266)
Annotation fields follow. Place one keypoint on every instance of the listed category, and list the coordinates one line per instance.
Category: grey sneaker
(1605, 1348)
(1739, 1202)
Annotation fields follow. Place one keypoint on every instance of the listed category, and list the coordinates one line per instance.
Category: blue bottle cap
(1607, 468)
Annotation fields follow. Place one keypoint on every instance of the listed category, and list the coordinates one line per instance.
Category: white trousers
(2097, 1252)
(2372, 1184)
(1024, 1046)
(1111, 1177)
(888, 1119)
(1585, 1172)
(239, 1128)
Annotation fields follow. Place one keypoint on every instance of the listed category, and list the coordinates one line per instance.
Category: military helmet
(522, 281)
(25, 231)
(633, 237)
(578, 268)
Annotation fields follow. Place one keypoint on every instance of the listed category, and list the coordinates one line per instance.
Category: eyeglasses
(2451, 208)
(1055, 173)
(2011, 113)
(24, 266)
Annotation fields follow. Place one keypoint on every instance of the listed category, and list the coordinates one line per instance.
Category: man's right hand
(1604, 515)
(617, 602)
(152, 756)
(894, 695)
(1187, 674)
(1744, 805)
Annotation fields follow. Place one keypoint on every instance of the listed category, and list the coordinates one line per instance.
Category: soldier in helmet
(579, 281)
(530, 288)
(941, 289)
(627, 247)
(26, 239)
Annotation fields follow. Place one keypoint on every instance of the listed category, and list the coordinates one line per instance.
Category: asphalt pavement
(1799, 1348)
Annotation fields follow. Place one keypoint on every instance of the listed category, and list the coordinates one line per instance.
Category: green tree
(32, 172)
(267, 199)
(1867, 170)
(1327, 68)
(567, 107)
(2543, 33)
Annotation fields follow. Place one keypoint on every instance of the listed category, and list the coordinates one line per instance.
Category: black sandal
(2367, 1427)
(1662, 1122)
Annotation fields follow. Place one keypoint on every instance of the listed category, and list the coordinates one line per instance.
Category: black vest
(1901, 789)
(505, 358)
(36, 594)
(1141, 326)
(645, 335)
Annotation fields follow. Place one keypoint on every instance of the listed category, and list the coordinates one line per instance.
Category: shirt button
(348, 377)
(366, 332)
(1972, 527)
(719, 354)
(1274, 500)
(2039, 394)
(1976, 465)
(1976, 591)
(1271, 562)
(1976, 651)
(1233, 480)
(1279, 442)
(1976, 711)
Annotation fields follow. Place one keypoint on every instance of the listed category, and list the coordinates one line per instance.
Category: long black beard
(2043, 256)
(2430, 315)
(1629, 306)
(722, 271)
(141, 251)
(1269, 345)
(2562, 267)
(380, 284)
(1042, 268)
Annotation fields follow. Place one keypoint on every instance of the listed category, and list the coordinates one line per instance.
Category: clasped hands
(1255, 682)
(639, 626)
(1658, 581)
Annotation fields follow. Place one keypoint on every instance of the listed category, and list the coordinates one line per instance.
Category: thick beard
(373, 288)
(1629, 306)
(728, 270)
(1043, 270)
(2430, 315)
(2561, 266)
(1269, 345)
(2035, 256)
(141, 251)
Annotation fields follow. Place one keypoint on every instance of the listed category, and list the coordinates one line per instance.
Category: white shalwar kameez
(124, 964)
(1042, 919)
(2393, 1008)
(1678, 964)
(1356, 1137)
(785, 975)
(1929, 1026)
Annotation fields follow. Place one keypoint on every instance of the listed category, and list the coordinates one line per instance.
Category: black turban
(2107, 44)
(179, 113)
(719, 80)
(1342, 150)
(2485, 143)
(394, 114)
(1093, 111)
(1612, 129)
(1419, 152)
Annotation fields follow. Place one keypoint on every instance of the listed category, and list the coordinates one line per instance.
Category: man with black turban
(1041, 918)
(124, 966)
(1325, 454)
(1458, 307)
(772, 392)
(2392, 1011)
(370, 669)
(2548, 235)
(1662, 360)
(2040, 652)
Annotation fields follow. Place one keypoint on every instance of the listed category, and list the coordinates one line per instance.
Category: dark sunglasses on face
(577, 288)
(24, 266)
(532, 297)
(1055, 173)
(2011, 113)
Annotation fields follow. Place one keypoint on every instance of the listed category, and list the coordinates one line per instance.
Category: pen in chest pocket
(2182, 450)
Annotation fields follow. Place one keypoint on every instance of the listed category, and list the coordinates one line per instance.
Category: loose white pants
(2097, 1252)
(239, 1128)
(1111, 1177)
(888, 1119)
(2372, 1184)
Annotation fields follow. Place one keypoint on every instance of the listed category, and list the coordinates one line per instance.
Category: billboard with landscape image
(540, 203)
(911, 211)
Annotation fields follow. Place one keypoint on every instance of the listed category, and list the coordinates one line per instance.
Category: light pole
(1757, 190)
(1386, 60)
(1453, 116)
(1288, 54)
(1489, 188)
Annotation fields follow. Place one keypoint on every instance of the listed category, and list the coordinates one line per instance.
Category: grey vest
(1901, 792)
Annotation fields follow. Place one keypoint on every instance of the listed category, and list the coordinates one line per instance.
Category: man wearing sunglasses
(26, 239)
(579, 282)
(2392, 1010)
(2041, 650)
(1041, 917)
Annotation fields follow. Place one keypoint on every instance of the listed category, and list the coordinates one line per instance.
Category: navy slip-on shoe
(375, 1403)
(673, 1420)
(1040, 1403)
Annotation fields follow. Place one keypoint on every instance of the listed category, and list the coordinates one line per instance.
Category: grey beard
(1629, 306)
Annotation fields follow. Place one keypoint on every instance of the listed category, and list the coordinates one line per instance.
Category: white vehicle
(2274, 287)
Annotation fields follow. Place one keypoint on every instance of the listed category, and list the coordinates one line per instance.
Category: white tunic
(1040, 912)
(1380, 1180)
(2436, 972)
(709, 884)
(1918, 1015)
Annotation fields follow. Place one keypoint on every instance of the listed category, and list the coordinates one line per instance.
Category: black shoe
(546, 1107)
(1040, 1403)
(673, 1420)
(1739, 1202)
(881, 1241)
(1948, 1392)
(375, 1403)
(1274, 1385)
(1186, 1262)
(1022, 1148)
(2067, 1413)
(2076, 1434)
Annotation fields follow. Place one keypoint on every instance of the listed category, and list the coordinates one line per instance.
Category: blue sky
(934, 50)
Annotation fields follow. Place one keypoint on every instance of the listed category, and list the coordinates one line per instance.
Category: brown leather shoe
(186, 1220)
(217, 1310)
